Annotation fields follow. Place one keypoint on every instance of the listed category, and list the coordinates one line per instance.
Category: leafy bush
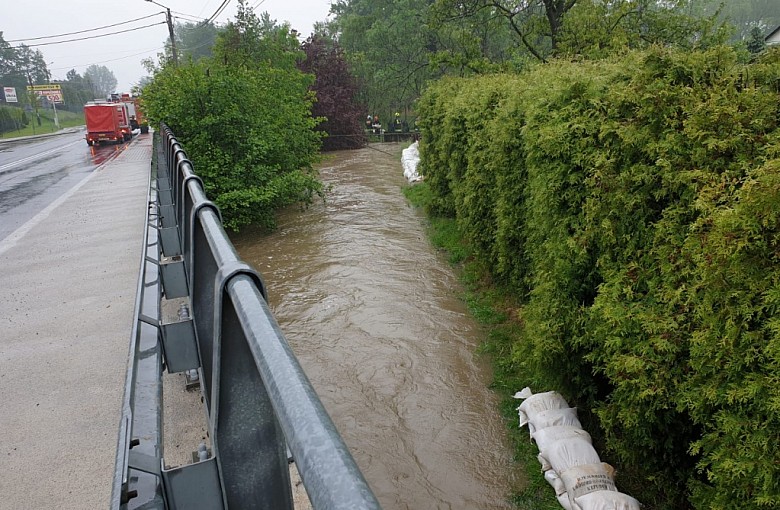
(248, 131)
(244, 117)
(633, 207)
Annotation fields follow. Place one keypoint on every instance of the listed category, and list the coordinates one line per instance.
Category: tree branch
(509, 15)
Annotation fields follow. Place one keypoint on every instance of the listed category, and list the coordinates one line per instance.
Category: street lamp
(169, 19)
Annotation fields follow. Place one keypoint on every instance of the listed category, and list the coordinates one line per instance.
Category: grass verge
(493, 309)
(66, 119)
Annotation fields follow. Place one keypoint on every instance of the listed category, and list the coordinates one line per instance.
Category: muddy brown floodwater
(374, 315)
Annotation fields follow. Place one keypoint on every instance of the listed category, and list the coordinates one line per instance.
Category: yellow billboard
(51, 92)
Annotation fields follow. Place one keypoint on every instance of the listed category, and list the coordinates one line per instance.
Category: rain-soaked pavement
(36, 173)
(68, 277)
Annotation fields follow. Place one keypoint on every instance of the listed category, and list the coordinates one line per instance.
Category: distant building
(773, 38)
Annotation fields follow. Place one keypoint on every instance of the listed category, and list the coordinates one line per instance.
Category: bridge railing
(213, 323)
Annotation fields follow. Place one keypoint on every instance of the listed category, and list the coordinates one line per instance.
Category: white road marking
(18, 162)
(20, 232)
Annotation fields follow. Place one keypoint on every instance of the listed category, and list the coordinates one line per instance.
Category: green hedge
(632, 206)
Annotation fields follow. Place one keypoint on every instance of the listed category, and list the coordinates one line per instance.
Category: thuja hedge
(633, 208)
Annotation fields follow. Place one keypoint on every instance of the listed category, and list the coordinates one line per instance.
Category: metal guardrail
(208, 314)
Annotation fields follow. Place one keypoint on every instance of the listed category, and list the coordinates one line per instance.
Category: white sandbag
(554, 418)
(522, 418)
(410, 159)
(607, 500)
(555, 481)
(524, 393)
(570, 463)
(542, 402)
(582, 480)
(568, 453)
(548, 435)
(565, 502)
(538, 403)
(546, 466)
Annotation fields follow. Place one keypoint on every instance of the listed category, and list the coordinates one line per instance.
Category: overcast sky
(122, 53)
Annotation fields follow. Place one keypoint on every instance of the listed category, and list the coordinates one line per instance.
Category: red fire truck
(137, 120)
(106, 122)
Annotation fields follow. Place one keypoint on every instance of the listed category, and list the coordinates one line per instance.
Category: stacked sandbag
(410, 158)
(569, 462)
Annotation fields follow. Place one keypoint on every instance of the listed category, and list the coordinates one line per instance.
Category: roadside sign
(43, 88)
(51, 92)
(10, 94)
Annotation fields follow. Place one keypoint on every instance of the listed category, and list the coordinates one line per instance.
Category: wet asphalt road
(36, 172)
(68, 276)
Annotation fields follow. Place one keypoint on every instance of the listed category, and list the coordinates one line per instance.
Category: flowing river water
(373, 313)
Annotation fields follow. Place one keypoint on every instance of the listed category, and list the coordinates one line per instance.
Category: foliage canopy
(335, 89)
(245, 118)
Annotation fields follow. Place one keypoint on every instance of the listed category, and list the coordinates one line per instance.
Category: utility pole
(169, 20)
(173, 39)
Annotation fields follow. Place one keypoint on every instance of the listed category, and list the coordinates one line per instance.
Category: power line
(97, 36)
(110, 60)
(188, 17)
(82, 31)
(218, 11)
(186, 24)
(203, 8)
(189, 26)
(192, 27)
(181, 20)
(146, 52)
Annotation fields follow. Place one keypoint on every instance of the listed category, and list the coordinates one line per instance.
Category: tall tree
(195, 40)
(595, 29)
(336, 91)
(76, 91)
(744, 15)
(102, 80)
(755, 43)
(244, 116)
(138, 87)
(536, 24)
(258, 41)
(11, 70)
(31, 64)
(7, 57)
(467, 45)
(552, 28)
(389, 45)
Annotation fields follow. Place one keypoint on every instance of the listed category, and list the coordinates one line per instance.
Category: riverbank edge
(494, 309)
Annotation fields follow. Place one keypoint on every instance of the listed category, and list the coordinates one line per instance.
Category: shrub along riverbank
(619, 222)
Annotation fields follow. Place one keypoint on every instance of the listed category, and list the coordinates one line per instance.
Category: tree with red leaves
(336, 90)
